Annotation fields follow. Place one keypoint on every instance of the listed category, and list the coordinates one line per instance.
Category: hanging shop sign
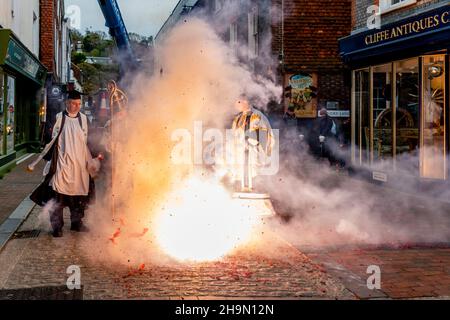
(301, 95)
(16, 56)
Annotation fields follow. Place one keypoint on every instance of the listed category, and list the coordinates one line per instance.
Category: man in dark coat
(327, 136)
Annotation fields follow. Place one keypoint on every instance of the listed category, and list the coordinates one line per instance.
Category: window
(390, 5)
(399, 116)
(217, 5)
(361, 133)
(10, 113)
(382, 115)
(433, 140)
(407, 116)
(2, 114)
(233, 35)
(253, 45)
(35, 34)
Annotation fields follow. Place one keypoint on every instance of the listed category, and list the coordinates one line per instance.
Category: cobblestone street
(406, 273)
(42, 261)
(33, 260)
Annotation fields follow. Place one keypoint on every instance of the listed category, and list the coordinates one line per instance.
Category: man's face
(242, 105)
(73, 105)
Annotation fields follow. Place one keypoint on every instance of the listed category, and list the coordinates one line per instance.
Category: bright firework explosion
(189, 218)
(203, 222)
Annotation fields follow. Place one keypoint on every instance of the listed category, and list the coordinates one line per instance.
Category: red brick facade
(47, 34)
(305, 37)
(311, 30)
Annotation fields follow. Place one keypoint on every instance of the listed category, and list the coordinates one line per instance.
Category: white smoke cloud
(201, 79)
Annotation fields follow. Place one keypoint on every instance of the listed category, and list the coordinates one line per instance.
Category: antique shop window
(2, 114)
(361, 115)
(407, 115)
(234, 35)
(433, 144)
(382, 115)
(10, 111)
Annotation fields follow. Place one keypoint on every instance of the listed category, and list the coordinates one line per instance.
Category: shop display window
(2, 114)
(433, 143)
(10, 113)
(407, 115)
(399, 116)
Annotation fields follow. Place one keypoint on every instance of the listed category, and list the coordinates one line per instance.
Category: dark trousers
(76, 205)
(328, 153)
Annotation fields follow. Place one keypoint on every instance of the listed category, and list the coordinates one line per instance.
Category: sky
(144, 17)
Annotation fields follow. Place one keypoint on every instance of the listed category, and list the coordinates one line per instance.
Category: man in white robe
(71, 179)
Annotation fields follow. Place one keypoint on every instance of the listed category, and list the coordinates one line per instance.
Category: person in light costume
(253, 141)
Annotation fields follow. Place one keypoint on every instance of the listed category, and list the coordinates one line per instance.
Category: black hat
(74, 95)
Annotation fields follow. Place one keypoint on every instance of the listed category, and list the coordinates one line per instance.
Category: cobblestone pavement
(409, 269)
(43, 261)
(16, 185)
(415, 272)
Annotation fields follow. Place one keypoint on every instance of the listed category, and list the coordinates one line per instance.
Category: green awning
(15, 55)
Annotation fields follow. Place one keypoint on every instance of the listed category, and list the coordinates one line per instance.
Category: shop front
(21, 80)
(400, 105)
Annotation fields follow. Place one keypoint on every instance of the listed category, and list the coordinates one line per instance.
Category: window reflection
(382, 113)
(433, 119)
(407, 115)
(10, 110)
(362, 107)
(2, 116)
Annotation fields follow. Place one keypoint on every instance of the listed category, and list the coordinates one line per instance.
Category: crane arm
(118, 31)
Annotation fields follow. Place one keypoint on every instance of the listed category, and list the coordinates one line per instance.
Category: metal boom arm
(118, 31)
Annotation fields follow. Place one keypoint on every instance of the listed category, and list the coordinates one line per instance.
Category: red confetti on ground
(115, 235)
(132, 272)
(139, 235)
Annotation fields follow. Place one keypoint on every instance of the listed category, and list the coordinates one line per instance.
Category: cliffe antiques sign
(418, 34)
(410, 28)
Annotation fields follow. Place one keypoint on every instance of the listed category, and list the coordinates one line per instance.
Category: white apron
(72, 176)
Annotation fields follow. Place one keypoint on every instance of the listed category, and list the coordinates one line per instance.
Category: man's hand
(30, 168)
(253, 142)
(322, 139)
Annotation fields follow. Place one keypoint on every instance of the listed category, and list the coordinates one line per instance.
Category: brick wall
(47, 47)
(360, 16)
(311, 33)
(308, 39)
(334, 86)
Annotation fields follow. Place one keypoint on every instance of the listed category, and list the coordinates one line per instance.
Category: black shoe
(78, 227)
(57, 233)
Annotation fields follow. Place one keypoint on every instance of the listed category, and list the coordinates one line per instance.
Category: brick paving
(17, 185)
(406, 273)
(334, 272)
(43, 261)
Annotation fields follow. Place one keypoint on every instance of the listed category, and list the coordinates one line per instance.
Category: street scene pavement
(225, 150)
(33, 265)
